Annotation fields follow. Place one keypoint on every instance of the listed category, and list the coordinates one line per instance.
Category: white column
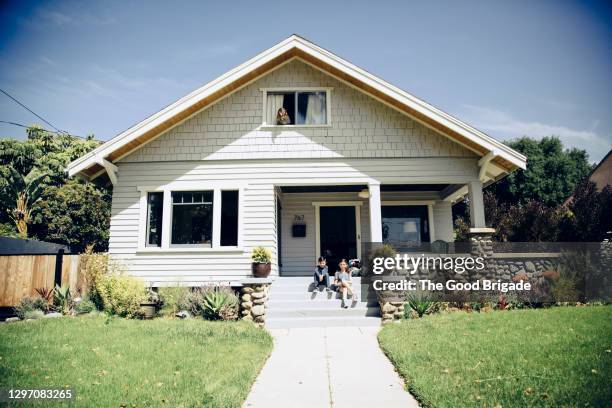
(477, 213)
(375, 213)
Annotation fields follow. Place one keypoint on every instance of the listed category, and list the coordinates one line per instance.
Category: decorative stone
(259, 301)
(11, 319)
(388, 308)
(246, 297)
(530, 267)
(246, 305)
(259, 319)
(258, 295)
(52, 315)
(183, 314)
(247, 317)
(246, 289)
(245, 312)
(258, 310)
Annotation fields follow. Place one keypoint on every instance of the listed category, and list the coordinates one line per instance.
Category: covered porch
(335, 220)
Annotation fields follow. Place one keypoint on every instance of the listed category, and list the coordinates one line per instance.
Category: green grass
(558, 357)
(123, 362)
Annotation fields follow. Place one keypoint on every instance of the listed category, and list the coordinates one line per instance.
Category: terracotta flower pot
(261, 270)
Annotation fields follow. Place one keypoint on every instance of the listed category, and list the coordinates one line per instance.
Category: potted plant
(261, 262)
(151, 303)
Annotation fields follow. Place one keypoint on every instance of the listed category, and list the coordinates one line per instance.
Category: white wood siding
(259, 206)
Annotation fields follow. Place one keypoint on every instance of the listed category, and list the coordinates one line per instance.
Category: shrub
(34, 314)
(121, 294)
(419, 305)
(29, 304)
(84, 306)
(62, 299)
(219, 303)
(46, 295)
(173, 299)
(261, 255)
(190, 300)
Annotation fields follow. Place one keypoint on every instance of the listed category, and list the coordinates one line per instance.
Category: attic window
(302, 108)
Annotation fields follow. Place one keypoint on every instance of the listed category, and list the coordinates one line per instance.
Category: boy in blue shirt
(321, 274)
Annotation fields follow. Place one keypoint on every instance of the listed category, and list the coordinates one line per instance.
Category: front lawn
(121, 362)
(548, 357)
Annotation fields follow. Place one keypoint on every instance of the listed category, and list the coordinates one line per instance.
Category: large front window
(296, 108)
(192, 218)
(405, 224)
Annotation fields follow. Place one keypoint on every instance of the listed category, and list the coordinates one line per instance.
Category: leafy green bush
(173, 299)
(121, 294)
(219, 303)
(34, 314)
(261, 255)
(29, 304)
(84, 306)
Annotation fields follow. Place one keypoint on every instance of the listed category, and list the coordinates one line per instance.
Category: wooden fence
(21, 275)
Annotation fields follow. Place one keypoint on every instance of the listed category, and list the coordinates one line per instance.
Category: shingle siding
(360, 127)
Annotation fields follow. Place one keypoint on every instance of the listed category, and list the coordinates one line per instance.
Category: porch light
(365, 193)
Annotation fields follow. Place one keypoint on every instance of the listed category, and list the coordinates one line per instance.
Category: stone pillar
(375, 213)
(391, 311)
(481, 246)
(254, 295)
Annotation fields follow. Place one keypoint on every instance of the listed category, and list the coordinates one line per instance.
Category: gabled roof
(102, 158)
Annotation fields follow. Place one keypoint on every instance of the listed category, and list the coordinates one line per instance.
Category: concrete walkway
(328, 367)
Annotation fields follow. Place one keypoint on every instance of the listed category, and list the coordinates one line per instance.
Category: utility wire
(46, 130)
(32, 112)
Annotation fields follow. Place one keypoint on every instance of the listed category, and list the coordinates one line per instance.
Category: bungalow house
(348, 159)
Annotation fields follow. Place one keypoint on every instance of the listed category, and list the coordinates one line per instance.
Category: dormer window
(296, 107)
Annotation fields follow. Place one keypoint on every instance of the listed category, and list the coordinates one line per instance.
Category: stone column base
(254, 300)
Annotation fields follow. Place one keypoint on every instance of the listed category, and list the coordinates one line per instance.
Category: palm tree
(20, 194)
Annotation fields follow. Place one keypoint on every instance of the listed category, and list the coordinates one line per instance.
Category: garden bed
(126, 362)
(543, 357)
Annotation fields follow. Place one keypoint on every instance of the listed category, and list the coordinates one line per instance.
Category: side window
(229, 218)
(155, 207)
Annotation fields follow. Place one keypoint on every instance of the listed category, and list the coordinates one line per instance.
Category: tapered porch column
(477, 213)
(375, 213)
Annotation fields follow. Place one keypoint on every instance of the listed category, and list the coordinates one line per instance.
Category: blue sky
(510, 68)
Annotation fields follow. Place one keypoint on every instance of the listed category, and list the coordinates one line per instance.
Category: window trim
(167, 189)
(327, 90)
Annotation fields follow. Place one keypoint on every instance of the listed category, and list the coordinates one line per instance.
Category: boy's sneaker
(328, 289)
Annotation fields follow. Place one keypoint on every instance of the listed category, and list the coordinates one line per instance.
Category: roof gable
(295, 47)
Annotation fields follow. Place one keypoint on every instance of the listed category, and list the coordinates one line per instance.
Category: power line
(32, 112)
(46, 130)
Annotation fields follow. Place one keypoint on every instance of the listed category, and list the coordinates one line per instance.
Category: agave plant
(420, 305)
(46, 295)
(217, 303)
(62, 298)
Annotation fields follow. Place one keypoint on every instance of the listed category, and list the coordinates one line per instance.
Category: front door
(338, 234)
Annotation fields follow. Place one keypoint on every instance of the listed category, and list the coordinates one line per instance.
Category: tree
(19, 195)
(76, 214)
(56, 208)
(588, 216)
(551, 175)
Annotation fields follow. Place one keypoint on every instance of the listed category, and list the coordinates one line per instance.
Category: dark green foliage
(29, 304)
(551, 175)
(64, 211)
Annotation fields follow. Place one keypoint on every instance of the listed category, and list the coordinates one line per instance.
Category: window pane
(311, 108)
(191, 223)
(229, 218)
(155, 205)
(276, 101)
(402, 224)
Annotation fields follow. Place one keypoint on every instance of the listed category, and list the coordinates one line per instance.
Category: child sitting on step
(321, 275)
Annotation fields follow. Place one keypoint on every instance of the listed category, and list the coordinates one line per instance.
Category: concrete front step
(317, 303)
(323, 312)
(335, 321)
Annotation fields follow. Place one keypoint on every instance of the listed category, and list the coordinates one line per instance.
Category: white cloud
(503, 125)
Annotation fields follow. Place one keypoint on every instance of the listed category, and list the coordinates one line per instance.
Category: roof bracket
(483, 163)
(110, 168)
